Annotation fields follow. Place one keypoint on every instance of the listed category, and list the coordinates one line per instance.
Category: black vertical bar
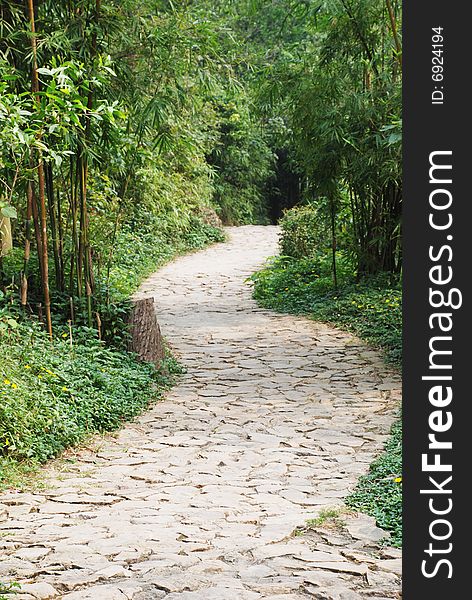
(437, 119)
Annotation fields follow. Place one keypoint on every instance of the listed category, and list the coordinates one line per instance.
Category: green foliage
(243, 162)
(54, 394)
(129, 133)
(303, 232)
(370, 308)
(379, 493)
(138, 253)
(325, 81)
(126, 181)
(337, 84)
(10, 589)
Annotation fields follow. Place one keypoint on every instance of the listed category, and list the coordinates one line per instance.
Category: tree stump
(146, 338)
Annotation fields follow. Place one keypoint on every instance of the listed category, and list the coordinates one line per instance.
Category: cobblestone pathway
(274, 421)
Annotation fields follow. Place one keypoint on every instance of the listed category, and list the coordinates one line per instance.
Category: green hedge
(303, 232)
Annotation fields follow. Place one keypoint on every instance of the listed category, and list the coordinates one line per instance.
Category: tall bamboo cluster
(342, 101)
(56, 213)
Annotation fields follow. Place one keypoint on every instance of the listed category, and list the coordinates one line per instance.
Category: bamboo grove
(338, 88)
(89, 87)
(40, 145)
(115, 115)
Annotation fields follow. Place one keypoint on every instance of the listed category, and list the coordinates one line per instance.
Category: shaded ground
(274, 421)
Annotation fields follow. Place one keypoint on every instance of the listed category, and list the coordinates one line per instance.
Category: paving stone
(216, 593)
(256, 572)
(33, 553)
(364, 528)
(104, 592)
(42, 591)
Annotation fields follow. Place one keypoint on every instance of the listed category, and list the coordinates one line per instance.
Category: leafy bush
(370, 308)
(54, 394)
(303, 232)
(379, 493)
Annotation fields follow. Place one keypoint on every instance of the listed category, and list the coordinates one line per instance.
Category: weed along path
(201, 498)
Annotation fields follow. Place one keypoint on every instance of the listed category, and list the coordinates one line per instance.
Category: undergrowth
(370, 308)
(379, 493)
(54, 394)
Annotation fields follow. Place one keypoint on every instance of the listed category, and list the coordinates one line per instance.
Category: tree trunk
(146, 339)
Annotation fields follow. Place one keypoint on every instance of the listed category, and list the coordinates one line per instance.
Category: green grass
(328, 516)
(372, 310)
(52, 394)
(379, 493)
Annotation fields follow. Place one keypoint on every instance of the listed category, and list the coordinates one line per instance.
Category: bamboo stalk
(333, 241)
(85, 254)
(41, 182)
(27, 250)
(80, 210)
(37, 228)
(60, 232)
(54, 225)
(396, 39)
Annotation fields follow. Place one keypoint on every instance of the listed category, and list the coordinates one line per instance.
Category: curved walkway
(274, 421)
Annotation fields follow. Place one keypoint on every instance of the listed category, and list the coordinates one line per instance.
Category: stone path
(274, 421)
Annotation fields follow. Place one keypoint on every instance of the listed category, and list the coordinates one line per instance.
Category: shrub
(303, 232)
(240, 206)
